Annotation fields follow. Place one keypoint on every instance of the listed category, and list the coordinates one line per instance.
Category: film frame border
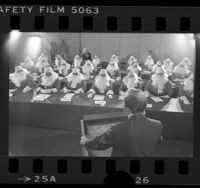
(149, 20)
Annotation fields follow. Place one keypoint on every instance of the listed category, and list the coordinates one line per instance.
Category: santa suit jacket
(124, 88)
(167, 90)
(183, 92)
(56, 84)
(110, 87)
(82, 85)
(115, 74)
(136, 137)
(28, 82)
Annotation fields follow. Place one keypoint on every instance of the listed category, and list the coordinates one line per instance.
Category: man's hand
(54, 90)
(83, 140)
(26, 89)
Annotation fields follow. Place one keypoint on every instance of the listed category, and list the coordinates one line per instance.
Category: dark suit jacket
(136, 137)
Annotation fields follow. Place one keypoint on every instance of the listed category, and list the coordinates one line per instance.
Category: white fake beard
(42, 65)
(63, 70)
(159, 81)
(149, 64)
(18, 78)
(48, 81)
(180, 72)
(77, 63)
(111, 69)
(188, 85)
(95, 62)
(131, 83)
(27, 65)
(101, 83)
(87, 70)
(74, 79)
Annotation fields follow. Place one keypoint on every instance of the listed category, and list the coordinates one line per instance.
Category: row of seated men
(46, 78)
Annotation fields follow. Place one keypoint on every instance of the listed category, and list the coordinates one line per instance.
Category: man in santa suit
(130, 81)
(49, 82)
(22, 79)
(88, 70)
(180, 71)
(157, 65)
(60, 61)
(131, 60)
(28, 64)
(64, 69)
(96, 61)
(159, 84)
(77, 62)
(186, 89)
(102, 85)
(148, 64)
(113, 70)
(168, 66)
(75, 82)
(42, 63)
(115, 58)
(188, 63)
(135, 67)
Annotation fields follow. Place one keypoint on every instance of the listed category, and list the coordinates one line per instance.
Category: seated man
(159, 84)
(64, 69)
(22, 79)
(130, 81)
(49, 82)
(135, 137)
(113, 70)
(115, 58)
(86, 55)
(60, 61)
(131, 60)
(88, 70)
(155, 66)
(186, 90)
(28, 64)
(96, 61)
(101, 85)
(168, 66)
(42, 63)
(135, 67)
(75, 82)
(180, 71)
(188, 63)
(148, 64)
(77, 62)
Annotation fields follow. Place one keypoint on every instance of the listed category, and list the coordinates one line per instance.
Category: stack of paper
(157, 99)
(41, 97)
(67, 97)
(102, 103)
(99, 97)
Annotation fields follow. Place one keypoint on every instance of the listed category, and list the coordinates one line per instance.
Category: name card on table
(156, 99)
(67, 97)
(41, 97)
(99, 97)
(149, 105)
(102, 103)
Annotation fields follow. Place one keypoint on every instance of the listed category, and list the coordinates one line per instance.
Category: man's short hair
(135, 100)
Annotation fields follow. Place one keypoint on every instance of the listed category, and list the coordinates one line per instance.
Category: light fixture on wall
(14, 35)
(33, 46)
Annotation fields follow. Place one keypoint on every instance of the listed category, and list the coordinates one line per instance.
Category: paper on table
(67, 97)
(157, 99)
(11, 90)
(102, 103)
(99, 97)
(173, 106)
(41, 97)
(149, 105)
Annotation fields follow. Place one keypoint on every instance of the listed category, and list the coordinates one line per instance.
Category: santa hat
(160, 70)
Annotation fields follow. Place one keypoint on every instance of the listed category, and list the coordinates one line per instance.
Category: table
(67, 115)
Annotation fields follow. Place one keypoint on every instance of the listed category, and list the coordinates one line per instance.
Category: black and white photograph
(101, 94)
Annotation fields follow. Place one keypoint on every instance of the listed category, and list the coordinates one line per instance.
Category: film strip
(98, 170)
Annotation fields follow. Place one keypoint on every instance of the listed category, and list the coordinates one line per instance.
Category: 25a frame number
(85, 10)
(142, 180)
(44, 179)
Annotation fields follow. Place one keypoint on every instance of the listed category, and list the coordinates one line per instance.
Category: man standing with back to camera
(136, 137)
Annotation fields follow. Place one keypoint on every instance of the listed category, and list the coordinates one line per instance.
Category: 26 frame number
(142, 180)
(85, 10)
